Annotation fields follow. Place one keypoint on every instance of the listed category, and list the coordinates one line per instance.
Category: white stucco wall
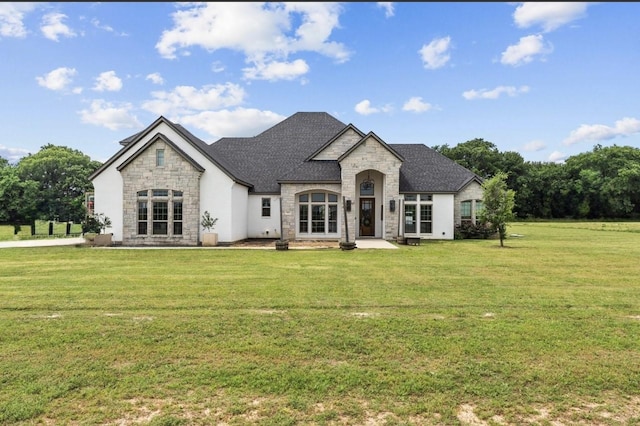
(263, 227)
(108, 199)
(443, 221)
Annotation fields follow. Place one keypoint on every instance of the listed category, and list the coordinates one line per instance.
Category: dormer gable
(377, 142)
(339, 144)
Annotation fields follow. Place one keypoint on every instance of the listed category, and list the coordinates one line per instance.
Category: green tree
(62, 177)
(18, 198)
(498, 203)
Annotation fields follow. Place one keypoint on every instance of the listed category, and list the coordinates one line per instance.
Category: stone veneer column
(371, 154)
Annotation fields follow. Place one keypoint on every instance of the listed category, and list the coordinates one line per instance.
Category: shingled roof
(426, 170)
(265, 158)
(281, 154)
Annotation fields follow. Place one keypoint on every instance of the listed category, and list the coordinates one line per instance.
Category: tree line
(48, 185)
(600, 184)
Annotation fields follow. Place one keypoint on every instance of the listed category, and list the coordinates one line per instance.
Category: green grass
(546, 329)
(42, 231)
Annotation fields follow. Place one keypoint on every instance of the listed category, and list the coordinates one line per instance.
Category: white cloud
(416, 104)
(524, 52)
(388, 8)
(108, 81)
(598, 132)
(11, 17)
(13, 155)
(188, 99)
(57, 79)
(155, 78)
(436, 54)
(495, 93)
(240, 122)
(277, 70)
(53, 27)
(534, 146)
(548, 15)
(364, 108)
(557, 157)
(264, 32)
(106, 114)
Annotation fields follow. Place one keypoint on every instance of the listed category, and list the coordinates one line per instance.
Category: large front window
(418, 214)
(318, 213)
(159, 212)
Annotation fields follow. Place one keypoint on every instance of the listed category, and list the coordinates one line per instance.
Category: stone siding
(339, 146)
(176, 174)
(473, 191)
(288, 194)
(372, 155)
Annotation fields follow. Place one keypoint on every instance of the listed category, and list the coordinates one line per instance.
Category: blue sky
(547, 80)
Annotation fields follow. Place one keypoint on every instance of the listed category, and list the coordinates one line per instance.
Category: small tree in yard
(498, 202)
(208, 222)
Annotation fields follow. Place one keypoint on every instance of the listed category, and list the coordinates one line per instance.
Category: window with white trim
(266, 207)
(318, 213)
(159, 157)
(418, 214)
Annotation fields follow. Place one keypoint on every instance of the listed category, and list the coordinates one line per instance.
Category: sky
(546, 80)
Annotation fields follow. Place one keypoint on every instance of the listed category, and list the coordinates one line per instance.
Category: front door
(367, 217)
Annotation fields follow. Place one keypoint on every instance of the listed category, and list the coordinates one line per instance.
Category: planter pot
(102, 240)
(282, 245)
(344, 245)
(210, 239)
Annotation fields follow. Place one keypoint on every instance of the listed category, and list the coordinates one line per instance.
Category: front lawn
(449, 332)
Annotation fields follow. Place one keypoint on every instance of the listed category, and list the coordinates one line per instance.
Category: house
(308, 177)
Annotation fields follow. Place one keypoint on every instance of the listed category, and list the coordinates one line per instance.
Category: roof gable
(163, 138)
(375, 137)
(338, 145)
(197, 143)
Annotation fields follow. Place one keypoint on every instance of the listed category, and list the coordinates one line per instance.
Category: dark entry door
(367, 217)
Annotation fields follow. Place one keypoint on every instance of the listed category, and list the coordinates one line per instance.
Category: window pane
(159, 157)
(410, 197)
(159, 228)
(333, 198)
(333, 218)
(142, 210)
(142, 193)
(304, 198)
(366, 188)
(177, 210)
(426, 197)
(160, 210)
(317, 197)
(317, 218)
(465, 210)
(425, 212)
(304, 218)
(177, 193)
(425, 227)
(160, 192)
(425, 219)
(142, 228)
(410, 218)
(177, 228)
(266, 207)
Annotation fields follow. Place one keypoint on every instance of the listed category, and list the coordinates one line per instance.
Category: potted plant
(208, 223)
(95, 230)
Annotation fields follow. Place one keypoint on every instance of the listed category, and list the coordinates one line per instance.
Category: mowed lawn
(543, 331)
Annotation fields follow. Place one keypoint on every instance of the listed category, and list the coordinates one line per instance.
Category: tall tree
(498, 202)
(62, 175)
(17, 198)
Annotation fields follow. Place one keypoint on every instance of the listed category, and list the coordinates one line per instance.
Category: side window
(266, 207)
(159, 157)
